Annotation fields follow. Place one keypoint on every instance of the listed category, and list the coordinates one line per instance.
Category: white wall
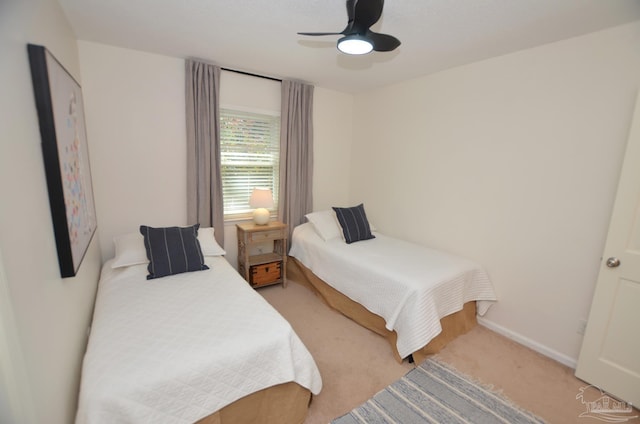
(245, 92)
(135, 107)
(333, 134)
(512, 162)
(44, 317)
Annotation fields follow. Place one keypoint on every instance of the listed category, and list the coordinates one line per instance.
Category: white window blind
(250, 157)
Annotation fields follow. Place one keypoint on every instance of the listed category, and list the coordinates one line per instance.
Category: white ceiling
(260, 36)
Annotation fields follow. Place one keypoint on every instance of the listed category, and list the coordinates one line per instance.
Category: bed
(191, 347)
(416, 297)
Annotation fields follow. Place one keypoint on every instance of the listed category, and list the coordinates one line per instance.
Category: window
(250, 157)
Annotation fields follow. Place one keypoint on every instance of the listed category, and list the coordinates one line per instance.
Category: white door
(610, 355)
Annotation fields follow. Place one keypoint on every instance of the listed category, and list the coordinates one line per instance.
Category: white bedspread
(178, 348)
(412, 287)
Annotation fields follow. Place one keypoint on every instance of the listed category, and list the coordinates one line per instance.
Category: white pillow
(326, 224)
(130, 248)
(208, 243)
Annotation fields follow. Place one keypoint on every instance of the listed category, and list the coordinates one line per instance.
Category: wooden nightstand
(262, 268)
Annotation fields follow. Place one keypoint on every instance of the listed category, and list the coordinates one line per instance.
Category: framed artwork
(66, 157)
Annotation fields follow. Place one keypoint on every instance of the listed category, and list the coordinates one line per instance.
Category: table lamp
(261, 199)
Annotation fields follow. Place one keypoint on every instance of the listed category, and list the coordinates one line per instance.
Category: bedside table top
(251, 226)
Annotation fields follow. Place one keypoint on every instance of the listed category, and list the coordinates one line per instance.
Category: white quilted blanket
(412, 287)
(178, 348)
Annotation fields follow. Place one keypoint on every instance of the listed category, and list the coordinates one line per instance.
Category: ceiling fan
(358, 38)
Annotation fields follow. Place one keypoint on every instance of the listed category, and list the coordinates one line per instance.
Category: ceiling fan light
(354, 44)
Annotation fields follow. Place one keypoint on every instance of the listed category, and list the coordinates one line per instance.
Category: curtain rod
(251, 75)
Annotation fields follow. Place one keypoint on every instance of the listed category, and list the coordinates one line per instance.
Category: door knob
(613, 262)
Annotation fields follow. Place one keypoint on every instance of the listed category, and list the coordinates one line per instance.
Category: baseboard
(525, 341)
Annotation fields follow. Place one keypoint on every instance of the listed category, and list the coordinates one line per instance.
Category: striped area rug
(433, 392)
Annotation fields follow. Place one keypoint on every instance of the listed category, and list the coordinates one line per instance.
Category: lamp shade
(261, 199)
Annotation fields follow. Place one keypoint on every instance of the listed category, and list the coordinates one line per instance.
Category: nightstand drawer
(265, 273)
(265, 236)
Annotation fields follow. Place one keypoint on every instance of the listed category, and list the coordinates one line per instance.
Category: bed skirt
(283, 403)
(452, 325)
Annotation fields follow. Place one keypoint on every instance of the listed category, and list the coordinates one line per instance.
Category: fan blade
(351, 9)
(382, 42)
(319, 33)
(365, 14)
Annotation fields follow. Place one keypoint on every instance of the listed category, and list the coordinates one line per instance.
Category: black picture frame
(60, 108)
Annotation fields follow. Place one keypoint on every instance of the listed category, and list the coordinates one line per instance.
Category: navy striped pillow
(172, 250)
(353, 221)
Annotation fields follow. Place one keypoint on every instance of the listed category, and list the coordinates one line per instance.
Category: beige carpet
(356, 363)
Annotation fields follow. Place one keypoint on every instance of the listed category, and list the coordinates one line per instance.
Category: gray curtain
(204, 186)
(296, 153)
